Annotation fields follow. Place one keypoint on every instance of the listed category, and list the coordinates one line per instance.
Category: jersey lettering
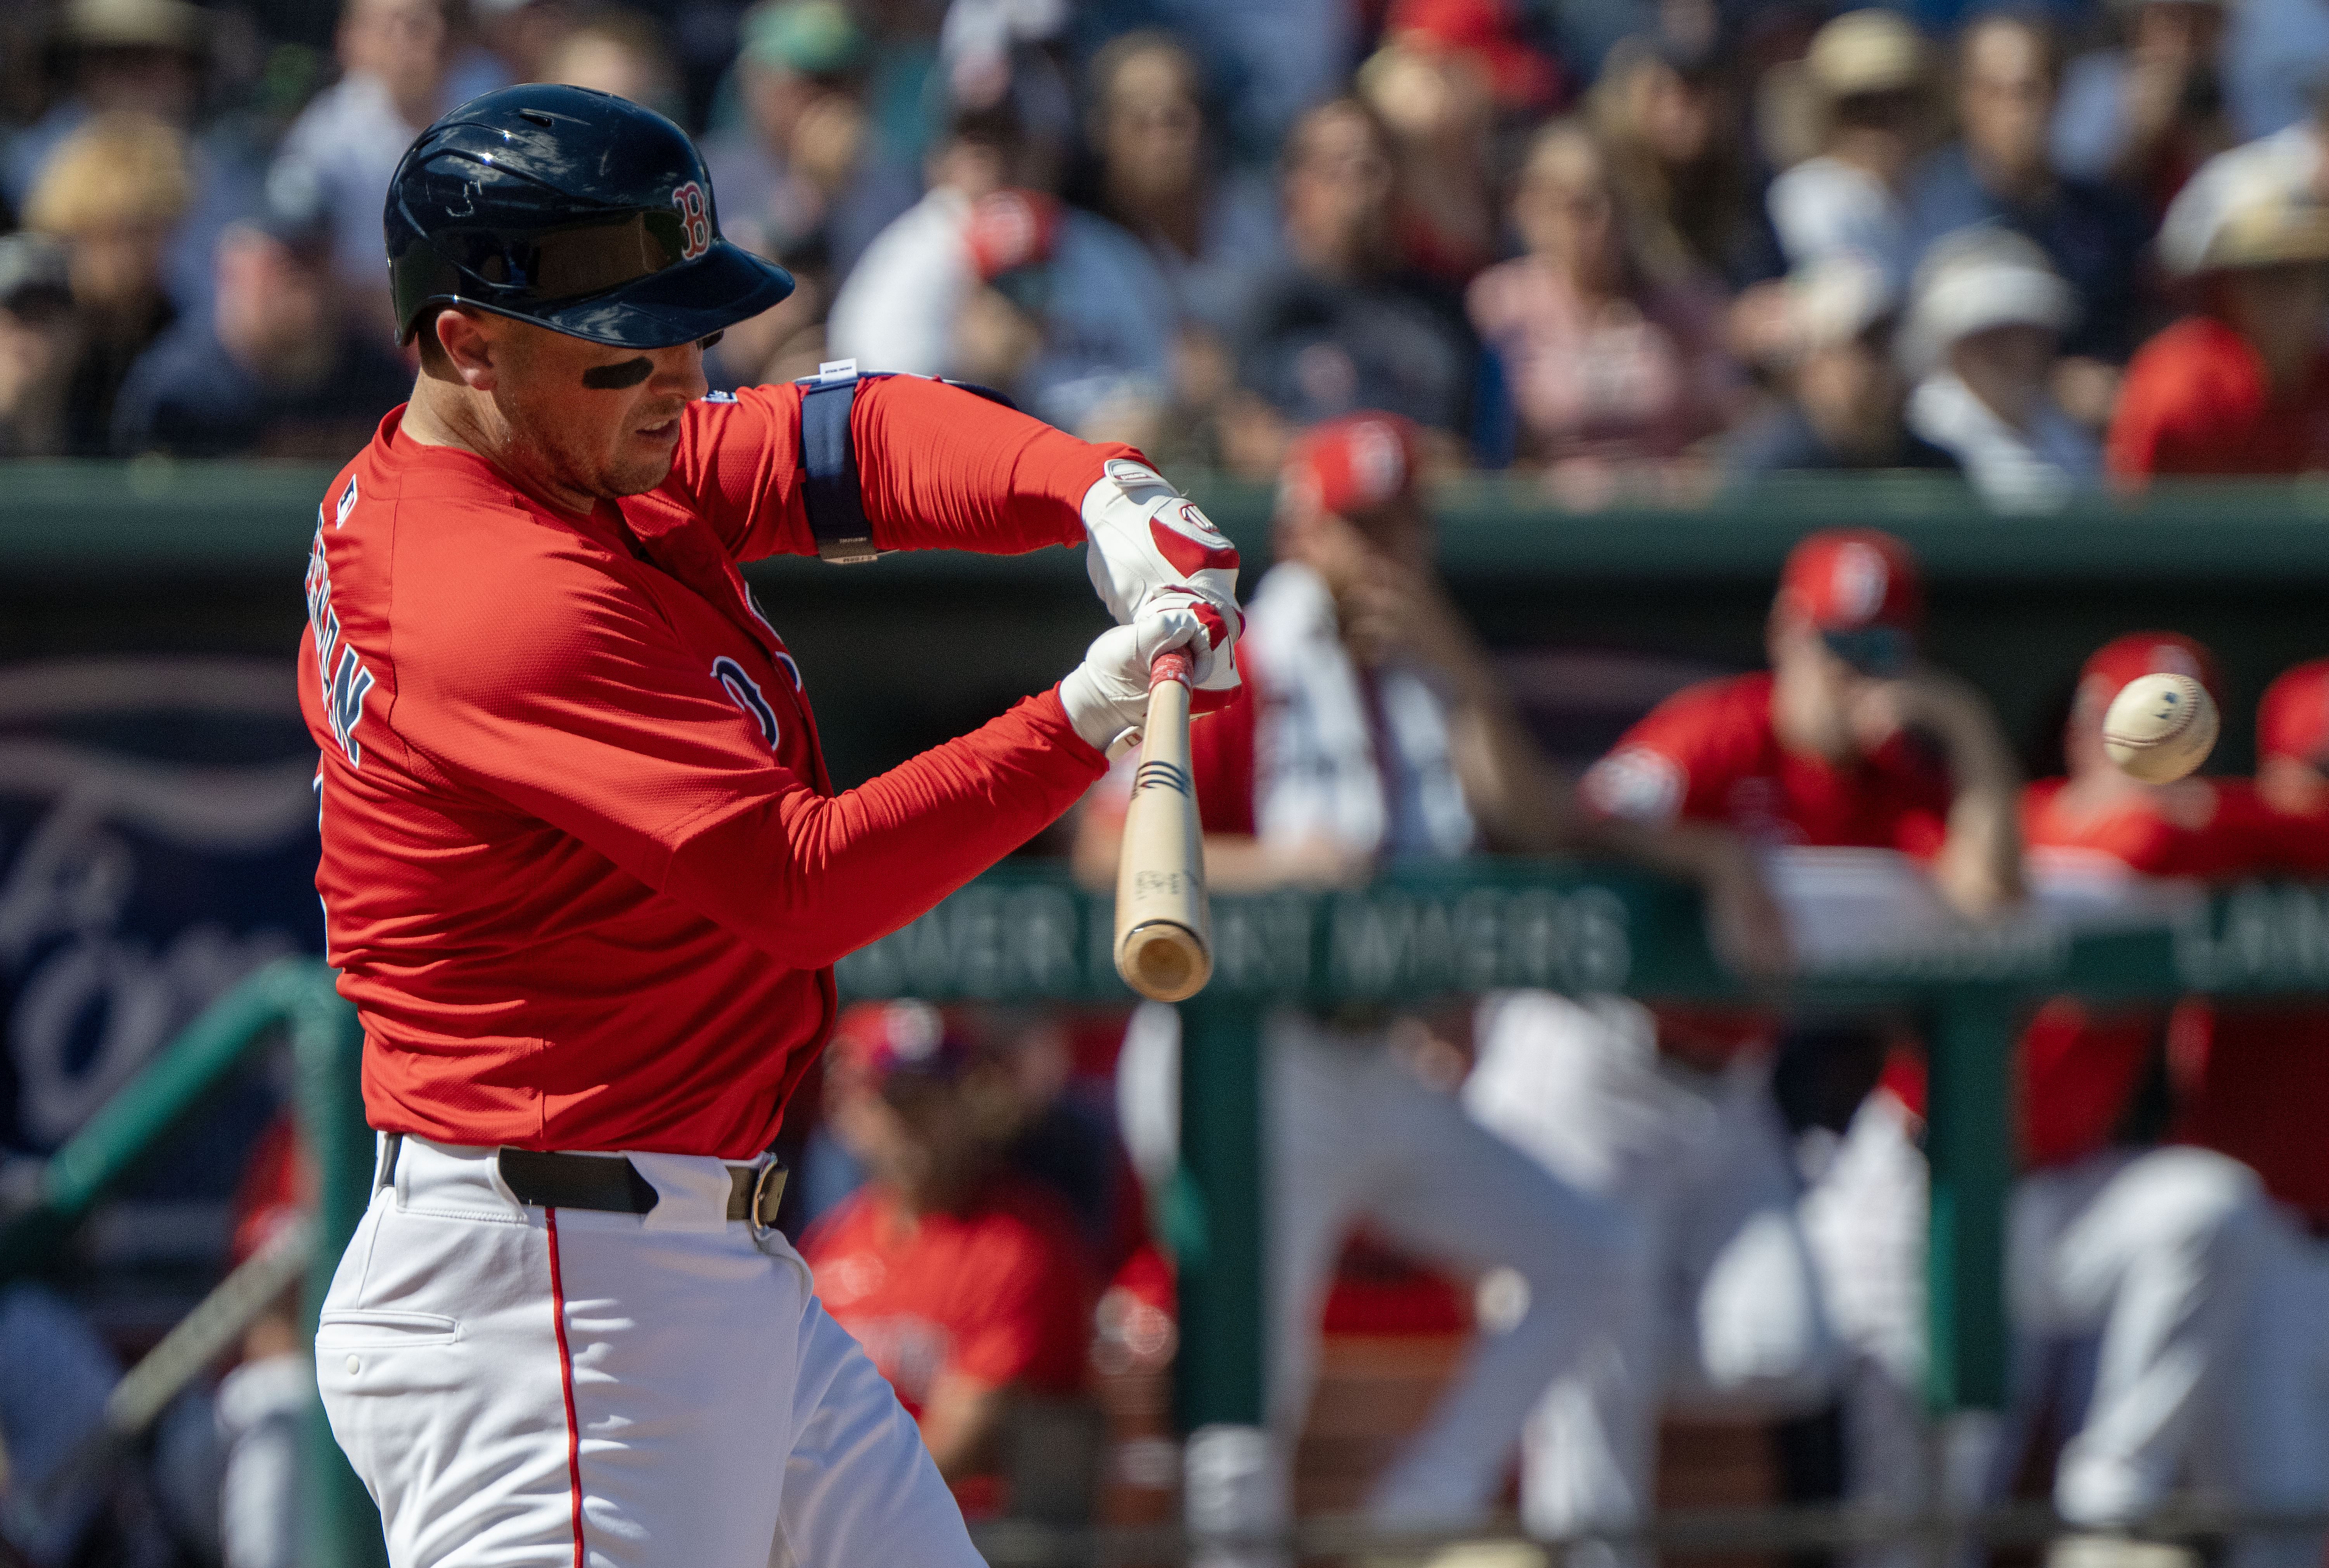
(342, 672)
(745, 694)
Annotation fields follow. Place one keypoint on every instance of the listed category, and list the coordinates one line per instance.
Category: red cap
(1010, 230)
(1352, 465)
(884, 1039)
(2293, 720)
(1848, 578)
(2151, 653)
(1489, 30)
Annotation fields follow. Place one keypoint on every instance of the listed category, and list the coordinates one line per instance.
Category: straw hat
(2254, 206)
(171, 25)
(1858, 53)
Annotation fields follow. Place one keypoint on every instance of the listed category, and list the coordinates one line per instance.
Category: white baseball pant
(529, 1388)
(1724, 1315)
(2132, 1289)
(1354, 1135)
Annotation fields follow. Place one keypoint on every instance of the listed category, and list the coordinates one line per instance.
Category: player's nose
(679, 370)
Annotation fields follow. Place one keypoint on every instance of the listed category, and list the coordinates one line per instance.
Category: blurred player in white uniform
(1848, 743)
(1376, 733)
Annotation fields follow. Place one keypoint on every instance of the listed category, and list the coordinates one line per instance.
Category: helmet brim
(725, 285)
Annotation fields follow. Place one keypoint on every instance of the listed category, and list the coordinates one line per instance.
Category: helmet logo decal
(695, 214)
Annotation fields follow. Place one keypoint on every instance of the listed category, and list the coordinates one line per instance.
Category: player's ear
(466, 344)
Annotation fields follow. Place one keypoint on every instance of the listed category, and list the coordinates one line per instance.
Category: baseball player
(1848, 741)
(965, 1282)
(1375, 731)
(2251, 1079)
(2132, 1269)
(584, 872)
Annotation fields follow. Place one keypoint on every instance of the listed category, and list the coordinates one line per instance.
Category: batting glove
(1147, 544)
(1107, 696)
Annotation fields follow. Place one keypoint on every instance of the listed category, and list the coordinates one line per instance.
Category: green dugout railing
(1028, 935)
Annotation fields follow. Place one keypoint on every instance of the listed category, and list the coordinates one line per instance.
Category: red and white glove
(1107, 696)
(1149, 546)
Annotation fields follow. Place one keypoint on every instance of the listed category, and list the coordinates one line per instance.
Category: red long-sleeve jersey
(583, 872)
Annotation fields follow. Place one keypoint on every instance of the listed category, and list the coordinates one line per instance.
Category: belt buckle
(768, 1192)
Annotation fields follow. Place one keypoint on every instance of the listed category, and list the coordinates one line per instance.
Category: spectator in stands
(40, 342)
(898, 309)
(1438, 106)
(1344, 325)
(1373, 730)
(2241, 386)
(1671, 132)
(2133, 1269)
(113, 193)
(147, 57)
(2276, 59)
(2145, 114)
(1613, 373)
(1985, 320)
(1842, 399)
(276, 369)
(396, 59)
(796, 179)
(967, 1285)
(1071, 315)
(2000, 172)
(618, 52)
(1865, 89)
(1850, 741)
(1212, 230)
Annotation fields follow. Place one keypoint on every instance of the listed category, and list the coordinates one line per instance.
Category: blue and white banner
(157, 842)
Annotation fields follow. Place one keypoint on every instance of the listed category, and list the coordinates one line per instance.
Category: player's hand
(1745, 924)
(1107, 696)
(1146, 540)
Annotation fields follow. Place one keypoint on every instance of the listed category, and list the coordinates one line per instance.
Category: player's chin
(644, 461)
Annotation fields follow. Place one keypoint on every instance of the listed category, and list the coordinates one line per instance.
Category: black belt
(612, 1184)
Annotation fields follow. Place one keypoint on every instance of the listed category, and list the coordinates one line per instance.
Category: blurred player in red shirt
(966, 1284)
(1847, 742)
(2240, 386)
(2132, 1268)
(2251, 1079)
(2143, 1257)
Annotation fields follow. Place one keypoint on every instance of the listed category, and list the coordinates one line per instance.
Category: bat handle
(1173, 665)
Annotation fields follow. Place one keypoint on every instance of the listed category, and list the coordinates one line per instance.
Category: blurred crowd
(1640, 251)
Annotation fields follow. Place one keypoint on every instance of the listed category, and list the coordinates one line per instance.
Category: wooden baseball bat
(1164, 934)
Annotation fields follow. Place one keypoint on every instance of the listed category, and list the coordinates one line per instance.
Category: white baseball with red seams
(2161, 727)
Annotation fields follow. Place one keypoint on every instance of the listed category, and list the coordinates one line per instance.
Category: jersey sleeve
(569, 700)
(1678, 762)
(938, 468)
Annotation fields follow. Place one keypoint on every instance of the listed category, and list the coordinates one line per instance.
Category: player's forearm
(1521, 803)
(1979, 869)
(962, 1423)
(941, 469)
(810, 879)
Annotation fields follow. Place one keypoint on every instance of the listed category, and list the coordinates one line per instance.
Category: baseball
(2160, 728)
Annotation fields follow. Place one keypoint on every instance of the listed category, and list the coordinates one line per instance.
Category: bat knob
(1163, 961)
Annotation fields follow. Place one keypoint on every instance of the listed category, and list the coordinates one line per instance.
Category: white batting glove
(1107, 696)
(1147, 544)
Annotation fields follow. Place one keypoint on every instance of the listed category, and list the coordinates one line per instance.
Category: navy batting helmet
(572, 209)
